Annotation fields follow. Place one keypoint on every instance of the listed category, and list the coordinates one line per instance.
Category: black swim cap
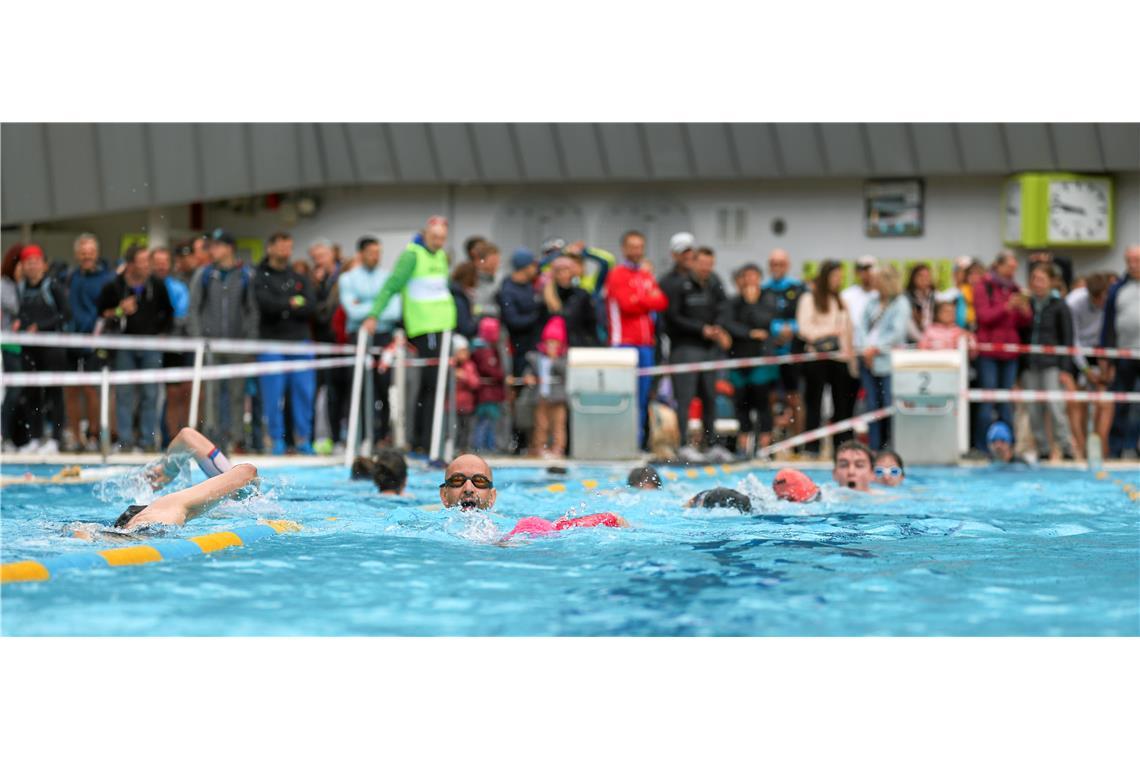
(722, 498)
(639, 477)
(130, 512)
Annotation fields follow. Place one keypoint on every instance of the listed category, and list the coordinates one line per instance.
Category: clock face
(1012, 212)
(1078, 211)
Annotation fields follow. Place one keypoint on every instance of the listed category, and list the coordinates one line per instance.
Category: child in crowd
(944, 332)
(467, 383)
(548, 375)
(889, 468)
(492, 392)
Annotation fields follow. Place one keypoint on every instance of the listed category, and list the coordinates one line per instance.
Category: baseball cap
(32, 251)
(999, 431)
(459, 343)
(521, 258)
(681, 242)
(963, 262)
(865, 262)
(221, 236)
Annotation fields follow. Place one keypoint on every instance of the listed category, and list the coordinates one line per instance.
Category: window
(731, 224)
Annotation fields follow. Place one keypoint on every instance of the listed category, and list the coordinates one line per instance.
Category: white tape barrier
(825, 431)
(758, 361)
(1031, 348)
(172, 374)
(1011, 395)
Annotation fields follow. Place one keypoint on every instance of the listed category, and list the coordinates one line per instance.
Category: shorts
(170, 360)
(87, 359)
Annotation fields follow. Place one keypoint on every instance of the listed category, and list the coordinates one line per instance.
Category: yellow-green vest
(428, 305)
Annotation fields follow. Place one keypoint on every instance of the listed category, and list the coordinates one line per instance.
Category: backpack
(207, 274)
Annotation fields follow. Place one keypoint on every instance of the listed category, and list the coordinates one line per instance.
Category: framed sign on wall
(893, 207)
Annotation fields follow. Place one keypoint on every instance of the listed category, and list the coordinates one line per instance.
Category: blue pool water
(953, 552)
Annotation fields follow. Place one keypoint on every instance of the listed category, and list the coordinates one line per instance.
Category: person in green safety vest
(420, 277)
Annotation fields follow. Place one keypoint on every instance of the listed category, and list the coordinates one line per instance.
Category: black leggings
(45, 402)
(843, 390)
(754, 398)
(427, 347)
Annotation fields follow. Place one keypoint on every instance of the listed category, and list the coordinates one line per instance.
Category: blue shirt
(179, 296)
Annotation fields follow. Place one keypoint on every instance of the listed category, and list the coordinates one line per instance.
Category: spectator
(200, 251)
(694, 304)
(782, 294)
(176, 411)
(429, 310)
(1002, 311)
(222, 306)
(137, 303)
(1051, 325)
(920, 292)
(335, 381)
(748, 319)
(43, 308)
(633, 298)
(593, 265)
(1122, 330)
(286, 303)
(521, 308)
(492, 393)
(1086, 304)
(565, 299)
(1062, 268)
(84, 284)
(471, 245)
(12, 354)
(944, 334)
(487, 281)
(548, 375)
(967, 315)
(185, 263)
(856, 295)
(467, 384)
(882, 327)
(358, 289)
(462, 287)
(824, 325)
(682, 249)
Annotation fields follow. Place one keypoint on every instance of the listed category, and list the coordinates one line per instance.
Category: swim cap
(793, 485)
(532, 526)
(641, 477)
(999, 431)
(600, 519)
(721, 498)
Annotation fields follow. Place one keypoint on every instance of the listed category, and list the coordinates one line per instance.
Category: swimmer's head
(130, 512)
(389, 471)
(889, 470)
(644, 477)
(793, 485)
(999, 439)
(362, 468)
(853, 466)
(467, 484)
(721, 498)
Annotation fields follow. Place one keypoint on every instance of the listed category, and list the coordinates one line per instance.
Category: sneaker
(70, 442)
(690, 454)
(49, 447)
(278, 448)
(338, 449)
(323, 446)
(8, 447)
(306, 449)
(31, 447)
(92, 445)
(719, 454)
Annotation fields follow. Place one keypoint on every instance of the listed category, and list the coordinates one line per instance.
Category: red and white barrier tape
(1030, 348)
(171, 374)
(758, 361)
(823, 432)
(173, 344)
(1011, 395)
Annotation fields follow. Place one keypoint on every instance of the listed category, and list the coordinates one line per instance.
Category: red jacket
(466, 386)
(491, 377)
(997, 322)
(631, 294)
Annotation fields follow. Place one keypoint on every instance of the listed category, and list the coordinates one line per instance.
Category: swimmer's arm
(177, 508)
(188, 443)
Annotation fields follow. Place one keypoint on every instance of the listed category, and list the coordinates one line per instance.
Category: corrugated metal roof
(53, 171)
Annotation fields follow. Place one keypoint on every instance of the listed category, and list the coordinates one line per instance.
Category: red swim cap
(601, 519)
(793, 485)
(532, 526)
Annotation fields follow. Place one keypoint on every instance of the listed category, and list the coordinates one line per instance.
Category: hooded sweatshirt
(83, 289)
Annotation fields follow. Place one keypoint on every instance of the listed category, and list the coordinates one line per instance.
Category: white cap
(458, 343)
(865, 262)
(682, 241)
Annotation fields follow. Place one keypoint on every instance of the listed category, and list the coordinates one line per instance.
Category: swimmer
(390, 472)
(644, 477)
(889, 468)
(999, 441)
(853, 466)
(720, 498)
(467, 484)
(223, 479)
(793, 485)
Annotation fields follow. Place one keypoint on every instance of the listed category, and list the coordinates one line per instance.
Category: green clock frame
(1034, 231)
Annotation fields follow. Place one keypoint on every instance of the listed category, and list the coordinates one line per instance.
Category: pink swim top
(536, 526)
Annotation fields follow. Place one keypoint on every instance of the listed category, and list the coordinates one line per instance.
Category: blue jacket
(522, 314)
(891, 324)
(179, 294)
(358, 288)
(1108, 329)
(83, 289)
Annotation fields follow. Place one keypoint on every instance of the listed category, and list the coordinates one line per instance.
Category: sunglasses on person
(456, 480)
(894, 472)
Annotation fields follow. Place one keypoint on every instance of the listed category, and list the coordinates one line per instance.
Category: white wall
(824, 218)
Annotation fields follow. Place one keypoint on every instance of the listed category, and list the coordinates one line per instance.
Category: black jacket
(154, 316)
(43, 305)
(691, 307)
(465, 322)
(1052, 325)
(580, 315)
(740, 317)
(273, 289)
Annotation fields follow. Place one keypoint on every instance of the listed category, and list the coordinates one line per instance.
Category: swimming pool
(954, 552)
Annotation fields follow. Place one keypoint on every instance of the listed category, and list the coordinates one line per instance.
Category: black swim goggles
(457, 479)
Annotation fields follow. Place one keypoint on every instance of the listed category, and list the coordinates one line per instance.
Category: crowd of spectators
(512, 326)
